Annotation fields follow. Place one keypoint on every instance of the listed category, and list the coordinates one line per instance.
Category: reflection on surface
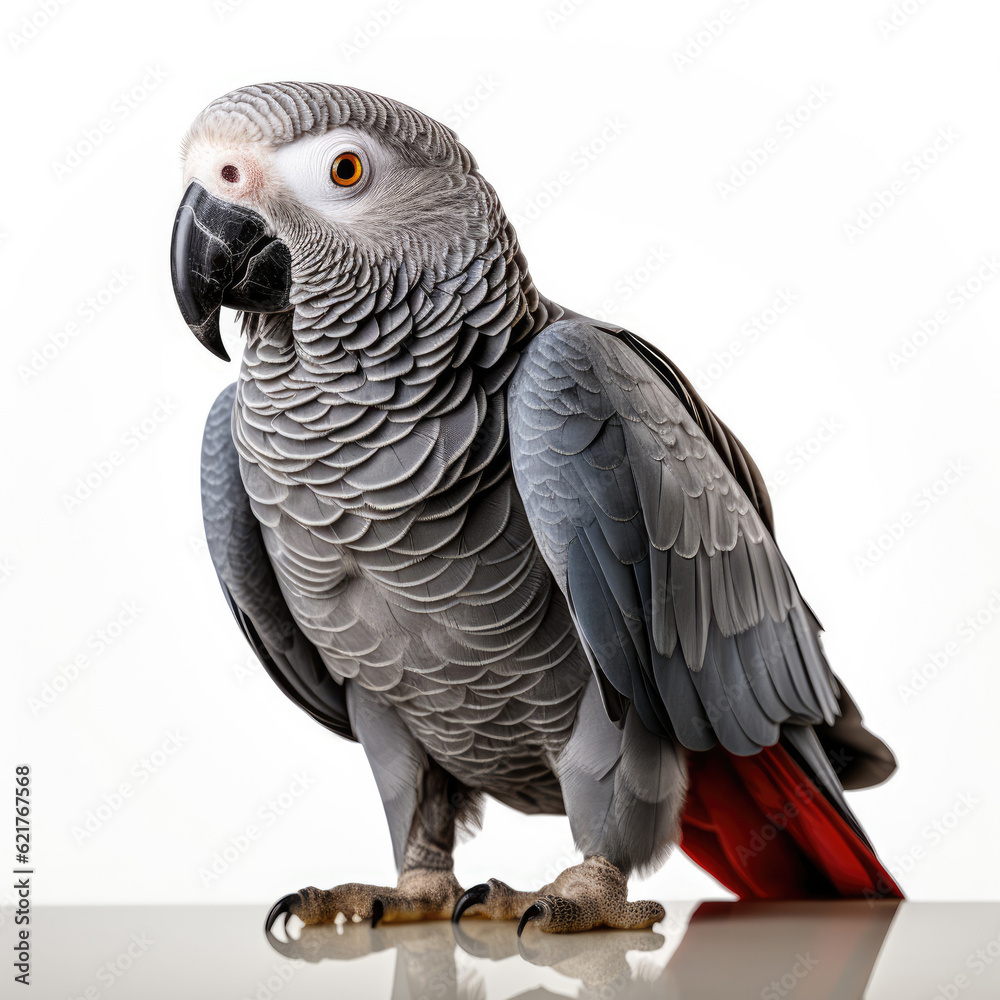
(759, 950)
(716, 951)
(767, 950)
(427, 964)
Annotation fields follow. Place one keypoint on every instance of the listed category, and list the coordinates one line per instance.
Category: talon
(377, 911)
(477, 894)
(282, 908)
(533, 912)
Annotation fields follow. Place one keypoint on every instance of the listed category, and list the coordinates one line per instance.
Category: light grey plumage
(521, 549)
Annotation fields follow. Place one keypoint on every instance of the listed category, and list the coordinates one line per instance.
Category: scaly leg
(588, 895)
(426, 890)
(624, 790)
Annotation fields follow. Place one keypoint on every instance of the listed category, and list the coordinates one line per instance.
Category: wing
(249, 584)
(657, 526)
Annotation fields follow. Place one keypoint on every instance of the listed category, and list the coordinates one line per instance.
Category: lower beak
(222, 254)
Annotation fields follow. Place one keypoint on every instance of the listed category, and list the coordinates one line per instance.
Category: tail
(761, 826)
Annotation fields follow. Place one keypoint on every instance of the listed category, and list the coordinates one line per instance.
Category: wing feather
(655, 523)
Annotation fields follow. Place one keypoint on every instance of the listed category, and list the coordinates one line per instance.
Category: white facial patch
(305, 168)
(236, 173)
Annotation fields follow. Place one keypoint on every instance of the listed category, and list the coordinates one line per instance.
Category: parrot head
(308, 197)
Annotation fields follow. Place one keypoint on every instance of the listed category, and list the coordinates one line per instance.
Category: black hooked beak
(222, 254)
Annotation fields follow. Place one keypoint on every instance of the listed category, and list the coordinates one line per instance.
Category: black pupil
(345, 169)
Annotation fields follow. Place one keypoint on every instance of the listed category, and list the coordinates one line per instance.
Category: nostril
(230, 173)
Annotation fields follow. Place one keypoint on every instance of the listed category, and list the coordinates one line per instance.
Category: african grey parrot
(505, 547)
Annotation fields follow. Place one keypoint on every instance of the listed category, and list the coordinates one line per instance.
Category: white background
(530, 92)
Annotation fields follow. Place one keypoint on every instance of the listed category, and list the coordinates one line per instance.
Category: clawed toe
(284, 908)
(534, 912)
(588, 895)
(493, 899)
(555, 914)
(319, 906)
(560, 915)
(471, 897)
(421, 894)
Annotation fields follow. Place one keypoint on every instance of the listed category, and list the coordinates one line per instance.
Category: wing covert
(675, 581)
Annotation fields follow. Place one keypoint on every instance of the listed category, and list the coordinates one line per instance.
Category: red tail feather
(763, 829)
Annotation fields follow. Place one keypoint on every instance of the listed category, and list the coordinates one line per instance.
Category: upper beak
(222, 254)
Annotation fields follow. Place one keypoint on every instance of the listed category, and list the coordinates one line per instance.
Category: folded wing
(249, 584)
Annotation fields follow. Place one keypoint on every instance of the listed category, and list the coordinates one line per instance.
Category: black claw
(477, 894)
(533, 912)
(282, 908)
(377, 911)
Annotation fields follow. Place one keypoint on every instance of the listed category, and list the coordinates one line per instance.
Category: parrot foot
(588, 895)
(420, 894)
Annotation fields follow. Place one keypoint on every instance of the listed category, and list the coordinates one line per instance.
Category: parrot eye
(346, 169)
(230, 173)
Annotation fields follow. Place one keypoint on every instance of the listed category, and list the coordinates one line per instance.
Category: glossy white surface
(712, 950)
